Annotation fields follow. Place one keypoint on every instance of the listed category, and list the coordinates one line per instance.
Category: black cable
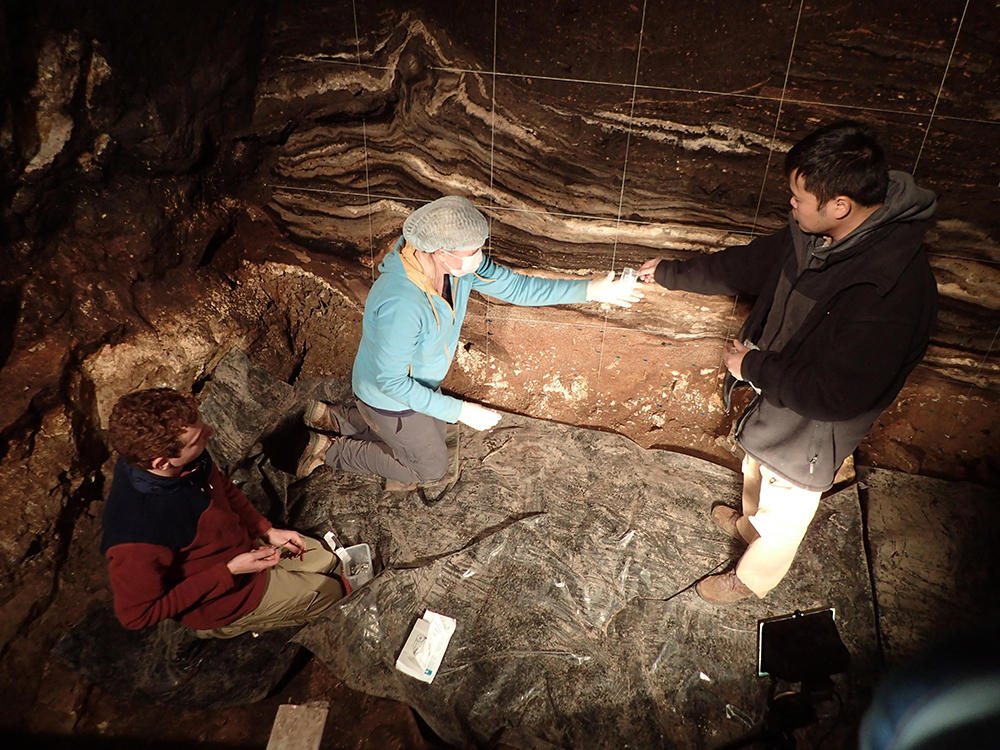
(689, 586)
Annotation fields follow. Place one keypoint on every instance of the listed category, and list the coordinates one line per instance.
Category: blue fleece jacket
(410, 333)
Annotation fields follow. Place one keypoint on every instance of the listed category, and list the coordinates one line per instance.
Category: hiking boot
(727, 519)
(320, 416)
(314, 455)
(724, 588)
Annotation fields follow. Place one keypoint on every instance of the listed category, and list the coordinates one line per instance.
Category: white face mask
(469, 264)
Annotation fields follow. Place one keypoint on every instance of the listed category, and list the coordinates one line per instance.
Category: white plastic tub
(357, 562)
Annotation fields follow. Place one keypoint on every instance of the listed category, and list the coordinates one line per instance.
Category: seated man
(180, 537)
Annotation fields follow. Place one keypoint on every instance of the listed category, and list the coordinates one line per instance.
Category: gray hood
(904, 201)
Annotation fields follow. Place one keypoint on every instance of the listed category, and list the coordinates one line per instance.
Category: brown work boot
(724, 588)
(727, 519)
(320, 416)
(314, 455)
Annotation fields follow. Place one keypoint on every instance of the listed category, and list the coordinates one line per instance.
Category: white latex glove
(477, 417)
(621, 293)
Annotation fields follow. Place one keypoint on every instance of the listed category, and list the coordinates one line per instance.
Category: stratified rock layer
(580, 173)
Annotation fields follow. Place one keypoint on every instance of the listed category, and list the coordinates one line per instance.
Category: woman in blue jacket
(410, 331)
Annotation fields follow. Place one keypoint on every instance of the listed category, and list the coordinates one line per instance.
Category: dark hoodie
(839, 326)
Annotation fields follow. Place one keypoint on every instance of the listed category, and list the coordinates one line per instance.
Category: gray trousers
(409, 448)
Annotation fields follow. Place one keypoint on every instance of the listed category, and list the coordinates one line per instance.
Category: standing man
(845, 301)
(182, 541)
(412, 320)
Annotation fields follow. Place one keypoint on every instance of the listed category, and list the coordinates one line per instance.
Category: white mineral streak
(58, 71)
(578, 389)
(288, 270)
(98, 73)
(968, 280)
(597, 231)
(474, 363)
(332, 156)
(721, 138)
(496, 120)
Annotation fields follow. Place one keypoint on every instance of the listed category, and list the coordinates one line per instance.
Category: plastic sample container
(357, 561)
(629, 278)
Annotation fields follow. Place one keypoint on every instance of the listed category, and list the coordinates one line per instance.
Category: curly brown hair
(148, 424)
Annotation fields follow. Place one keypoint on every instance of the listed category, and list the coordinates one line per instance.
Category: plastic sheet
(169, 666)
(567, 557)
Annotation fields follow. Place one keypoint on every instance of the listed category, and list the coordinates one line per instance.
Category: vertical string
(368, 193)
(960, 408)
(777, 119)
(767, 164)
(493, 116)
(937, 98)
(364, 142)
(621, 191)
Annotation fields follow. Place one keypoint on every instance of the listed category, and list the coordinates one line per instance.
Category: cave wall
(119, 140)
(180, 180)
(597, 135)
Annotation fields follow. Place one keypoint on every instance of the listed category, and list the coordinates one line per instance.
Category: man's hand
(648, 269)
(621, 293)
(733, 358)
(477, 417)
(286, 538)
(253, 561)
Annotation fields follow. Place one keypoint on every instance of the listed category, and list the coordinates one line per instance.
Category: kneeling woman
(410, 330)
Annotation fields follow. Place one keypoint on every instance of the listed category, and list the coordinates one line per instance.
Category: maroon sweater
(167, 541)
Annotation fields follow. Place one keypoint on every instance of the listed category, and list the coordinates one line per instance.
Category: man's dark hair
(842, 158)
(148, 424)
